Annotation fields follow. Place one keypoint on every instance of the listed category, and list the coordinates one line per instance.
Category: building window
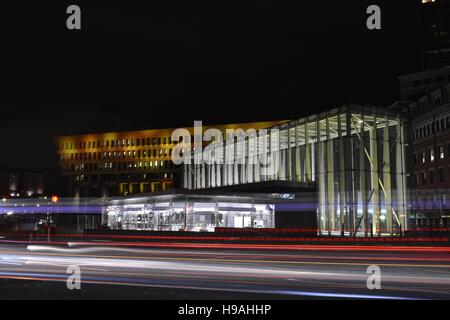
(423, 157)
(431, 155)
(441, 152)
(431, 177)
(441, 175)
(424, 178)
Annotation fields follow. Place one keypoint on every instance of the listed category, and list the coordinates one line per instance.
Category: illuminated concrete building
(124, 163)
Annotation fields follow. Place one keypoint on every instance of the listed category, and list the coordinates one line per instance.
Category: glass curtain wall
(189, 213)
(354, 154)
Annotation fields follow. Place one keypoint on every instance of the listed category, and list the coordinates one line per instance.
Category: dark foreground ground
(39, 271)
(30, 289)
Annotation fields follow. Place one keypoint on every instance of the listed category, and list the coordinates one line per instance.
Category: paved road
(180, 271)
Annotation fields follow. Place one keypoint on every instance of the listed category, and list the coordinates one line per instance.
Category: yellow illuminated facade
(123, 163)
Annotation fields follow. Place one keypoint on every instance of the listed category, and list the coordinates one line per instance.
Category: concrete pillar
(387, 177)
(375, 201)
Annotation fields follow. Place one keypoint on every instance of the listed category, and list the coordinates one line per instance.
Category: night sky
(168, 63)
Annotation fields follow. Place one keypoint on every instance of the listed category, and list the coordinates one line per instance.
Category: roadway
(190, 271)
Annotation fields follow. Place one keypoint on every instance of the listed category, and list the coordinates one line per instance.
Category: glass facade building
(176, 212)
(354, 154)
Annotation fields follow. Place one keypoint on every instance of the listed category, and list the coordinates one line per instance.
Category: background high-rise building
(435, 35)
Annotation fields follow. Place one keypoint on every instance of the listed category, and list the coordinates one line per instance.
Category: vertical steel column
(212, 177)
(401, 176)
(249, 161)
(387, 177)
(203, 175)
(280, 158)
(320, 171)
(185, 176)
(330, 177)
(289, 154)
(223, 166)
(297, 154)
(373, 145)
(272, 157)
(308, 155)
(342, 200)
(362, 177)
(349, 172)
(258, 153)
(243, 176)
(219, 175)
(235, 163)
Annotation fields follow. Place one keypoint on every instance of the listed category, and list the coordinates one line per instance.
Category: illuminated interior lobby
(181, 212)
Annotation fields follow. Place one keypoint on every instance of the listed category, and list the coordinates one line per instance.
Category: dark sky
(168, 63)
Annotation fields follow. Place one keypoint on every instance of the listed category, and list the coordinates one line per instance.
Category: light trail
(302, 274)
(77, 253)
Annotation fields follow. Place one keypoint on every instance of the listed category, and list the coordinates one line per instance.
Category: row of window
(435, 99)
(429, 178)
(117, 166)
(153, 153)
(430, 156)
(114, 143)
(112, 177)
(432, 128)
